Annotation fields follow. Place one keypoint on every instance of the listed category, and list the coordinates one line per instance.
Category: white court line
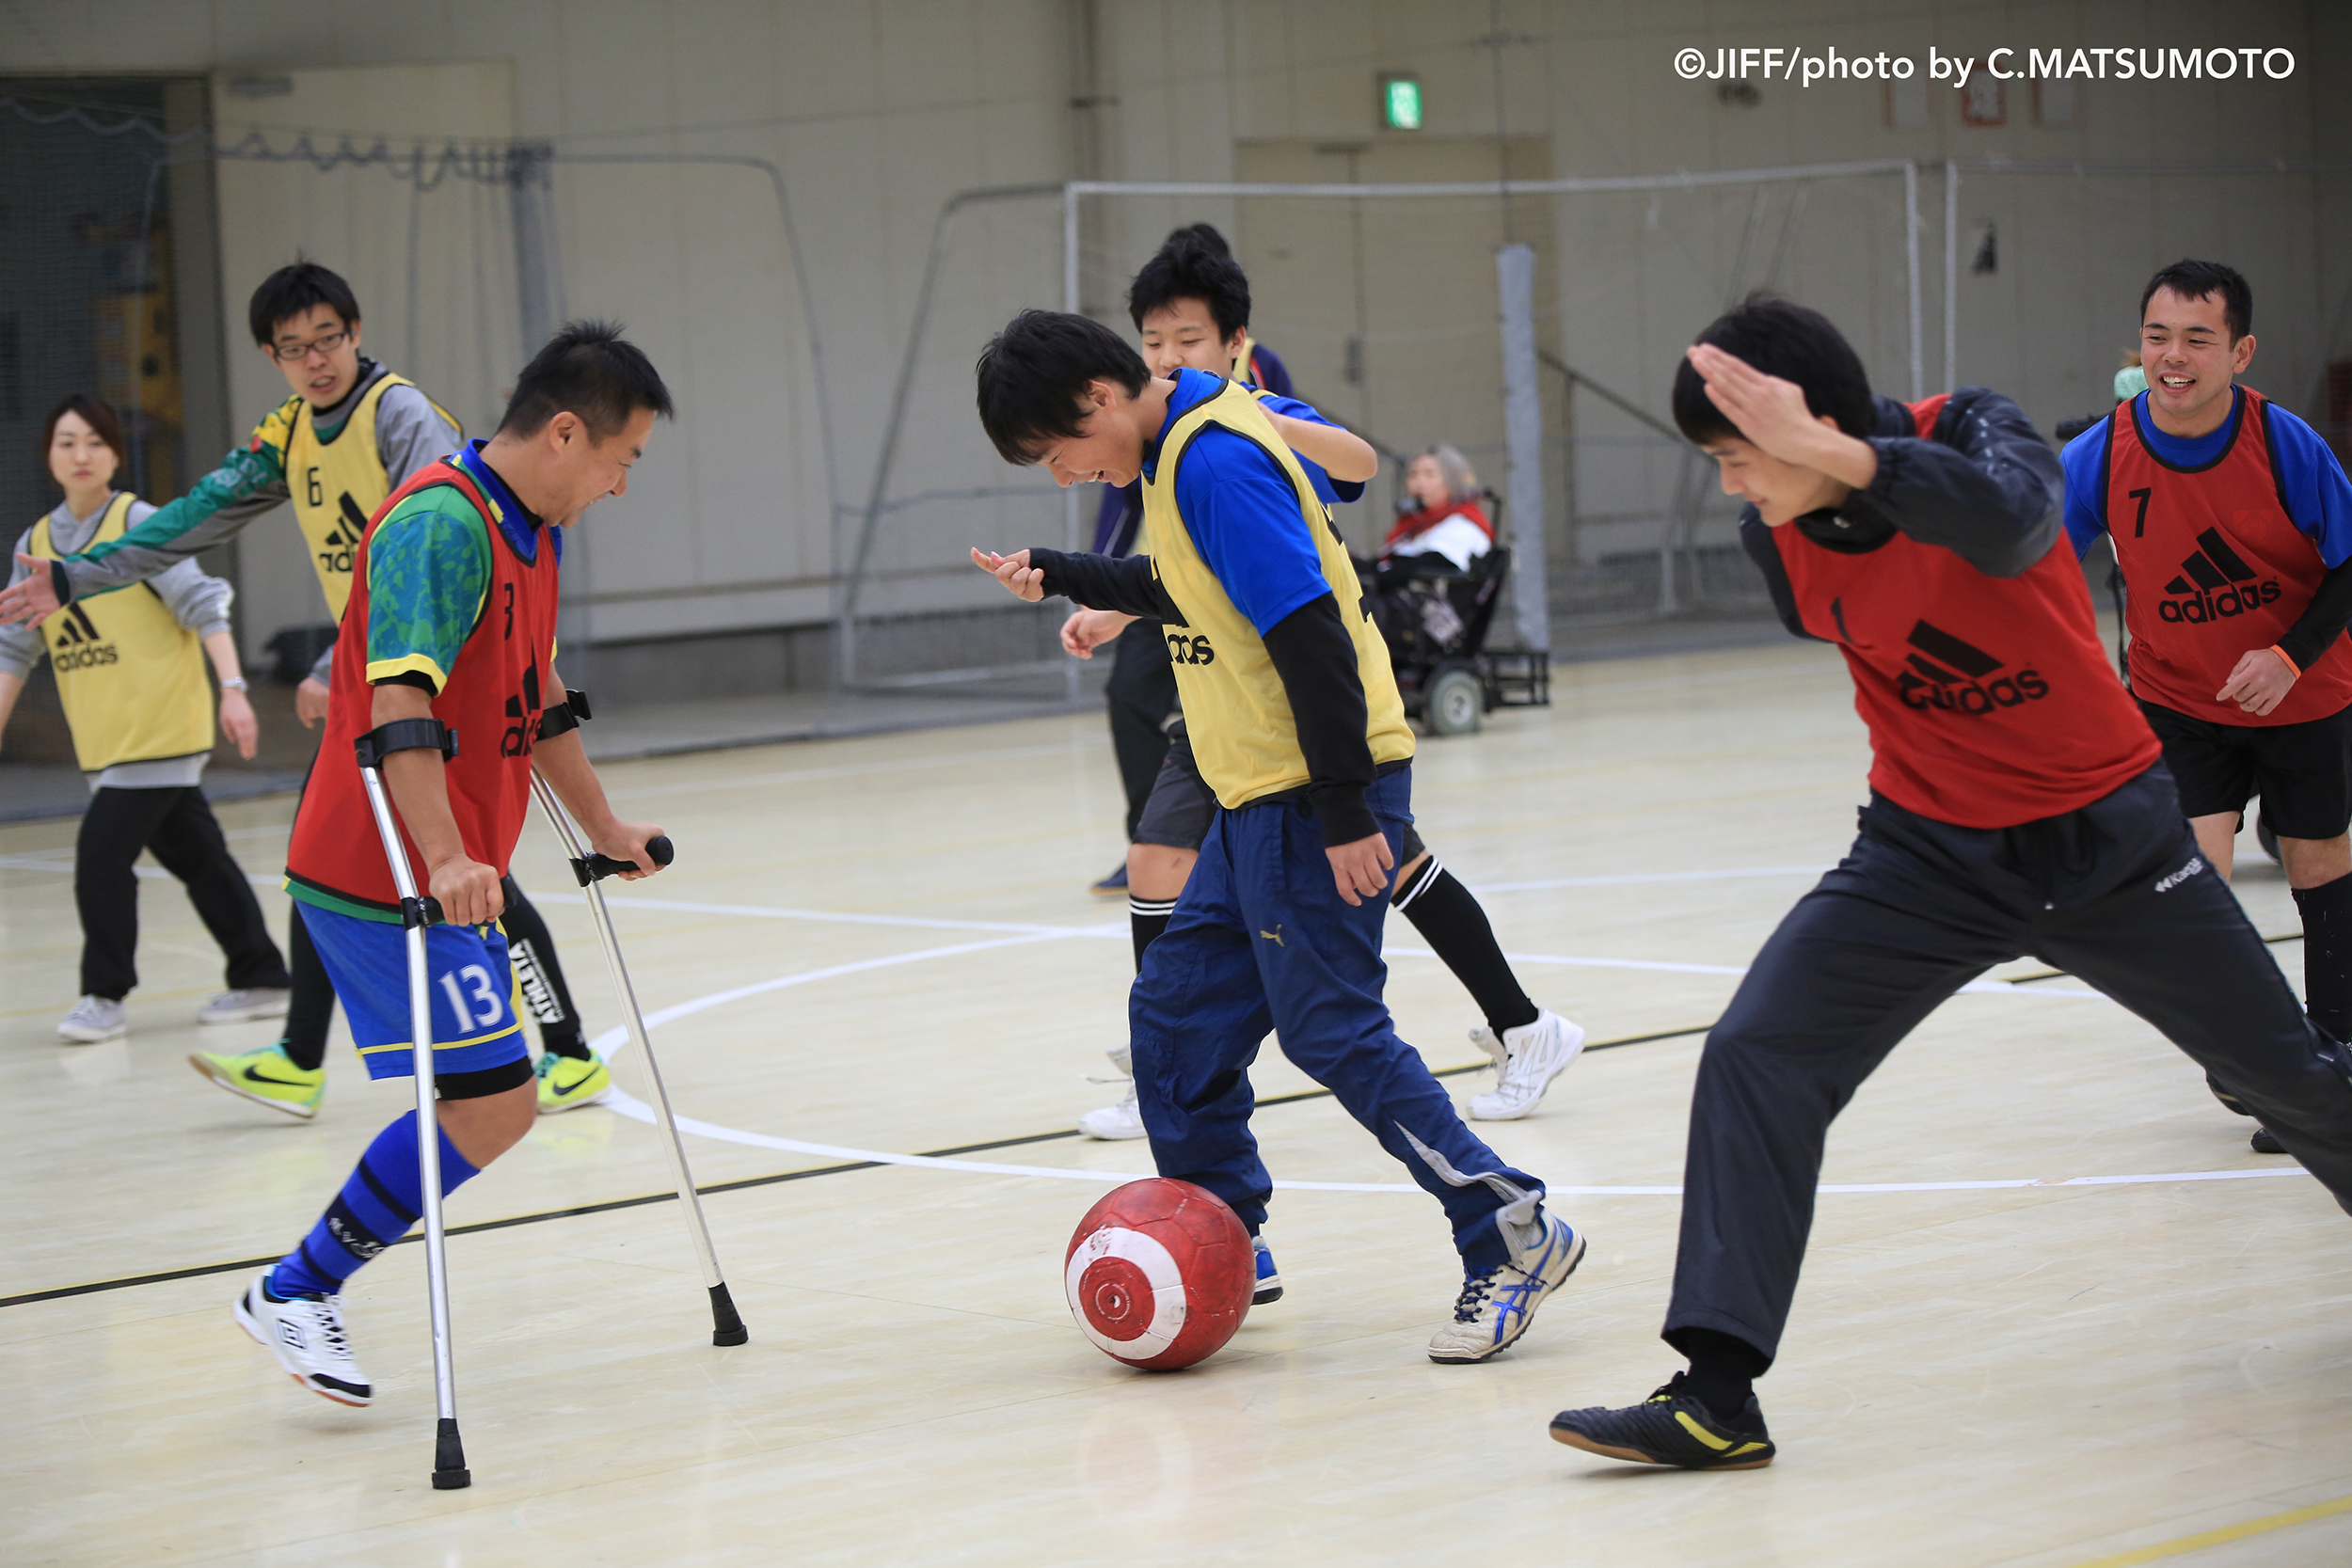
(759, 911)
(1634, 878)
(1981, 988)
(631, 1106)
(843, 770)
(1104, 933)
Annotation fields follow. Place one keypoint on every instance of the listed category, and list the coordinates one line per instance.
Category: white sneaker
(1114, 1123)
(308, 1339)
(93, 1019)
(243, 1006)
(1533, 1055)
(1496, 1306)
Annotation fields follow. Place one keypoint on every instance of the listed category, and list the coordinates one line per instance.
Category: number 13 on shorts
(477, 1001)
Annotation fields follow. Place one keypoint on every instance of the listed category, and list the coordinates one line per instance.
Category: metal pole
(1951, 274)
(1911, 259)
(1523, 427)
(728, 1327)
(1070, 303)
(448, 1453)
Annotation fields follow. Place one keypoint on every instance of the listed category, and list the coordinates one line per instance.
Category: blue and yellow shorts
(472, 988)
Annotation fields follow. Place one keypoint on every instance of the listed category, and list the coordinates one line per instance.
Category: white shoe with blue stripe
(1269, 1277)
(1496, 1306)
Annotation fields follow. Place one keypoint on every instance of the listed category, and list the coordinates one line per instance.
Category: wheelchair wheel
(1455, 703)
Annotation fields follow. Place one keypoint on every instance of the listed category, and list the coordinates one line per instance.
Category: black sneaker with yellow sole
(1670, 1428)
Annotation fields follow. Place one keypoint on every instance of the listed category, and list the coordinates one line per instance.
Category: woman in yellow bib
(130, 668)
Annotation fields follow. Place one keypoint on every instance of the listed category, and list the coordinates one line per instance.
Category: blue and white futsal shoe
(1496, 1306)
(1269, 1277)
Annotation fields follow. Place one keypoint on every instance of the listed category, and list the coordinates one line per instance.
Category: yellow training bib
(131, 676)
(1239, 716)
(336, 484)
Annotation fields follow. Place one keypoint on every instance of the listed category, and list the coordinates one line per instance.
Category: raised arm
(1124, 583)
(1342, 453)
(250, 481)
(1988, 491)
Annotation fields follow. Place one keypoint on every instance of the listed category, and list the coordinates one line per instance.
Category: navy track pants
(2115, 893)
(1261, 939)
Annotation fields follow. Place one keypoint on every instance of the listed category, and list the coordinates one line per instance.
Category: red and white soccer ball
(1160, 1274)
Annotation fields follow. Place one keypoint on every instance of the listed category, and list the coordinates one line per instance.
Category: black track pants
(1141, 693)
(178, 824)
(2115, 893)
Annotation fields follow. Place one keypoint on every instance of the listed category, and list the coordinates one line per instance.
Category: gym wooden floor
(885, 944)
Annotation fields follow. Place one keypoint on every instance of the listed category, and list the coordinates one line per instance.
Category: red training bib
(2217, 568)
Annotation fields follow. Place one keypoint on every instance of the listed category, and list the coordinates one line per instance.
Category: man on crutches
(445, 672)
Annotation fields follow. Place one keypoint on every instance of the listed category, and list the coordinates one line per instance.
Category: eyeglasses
(326, 344)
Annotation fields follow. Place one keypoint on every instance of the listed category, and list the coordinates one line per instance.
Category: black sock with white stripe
(1456, 929)
(1145, 919)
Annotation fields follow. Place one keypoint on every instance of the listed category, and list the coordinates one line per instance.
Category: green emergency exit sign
(1400, 102)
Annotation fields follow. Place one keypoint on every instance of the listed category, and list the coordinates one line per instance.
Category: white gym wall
(876, 113)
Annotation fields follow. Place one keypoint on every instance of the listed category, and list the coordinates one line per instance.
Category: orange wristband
(2293, 669)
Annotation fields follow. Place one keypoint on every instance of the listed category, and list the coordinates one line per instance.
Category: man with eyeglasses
(351, 432)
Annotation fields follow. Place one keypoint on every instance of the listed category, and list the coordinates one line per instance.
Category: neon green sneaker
(267, 1077)
(566, 1083)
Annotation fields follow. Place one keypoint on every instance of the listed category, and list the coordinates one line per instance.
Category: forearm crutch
(415, 913)
(726, 1325)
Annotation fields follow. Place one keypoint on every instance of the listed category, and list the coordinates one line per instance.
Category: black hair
(1203, 234)
(97, 413)
(1193, 264)
(1784, 339)
(294, 289)
(1034, 375)
(2202, 280)
(587, 370)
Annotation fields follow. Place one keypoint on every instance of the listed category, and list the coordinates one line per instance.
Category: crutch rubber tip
(726, 1323)
(449, 1459)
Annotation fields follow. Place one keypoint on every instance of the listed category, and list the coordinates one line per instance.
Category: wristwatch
(237, 685)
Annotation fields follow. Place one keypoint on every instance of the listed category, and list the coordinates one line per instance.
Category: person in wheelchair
(1430, 555)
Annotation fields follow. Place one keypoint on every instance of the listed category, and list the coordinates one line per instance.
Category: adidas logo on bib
(80, 644)
(2215, 584)
(1959, 677)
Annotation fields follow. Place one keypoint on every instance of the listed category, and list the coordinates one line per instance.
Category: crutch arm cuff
(406, 735)
(565, 716)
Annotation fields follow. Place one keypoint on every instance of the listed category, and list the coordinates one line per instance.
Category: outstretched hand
(1021, 580)
(33, 599)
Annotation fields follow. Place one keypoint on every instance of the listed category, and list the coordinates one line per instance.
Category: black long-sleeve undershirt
(1125, 584)
(1315, 660)
(1985, 486)
(2323, 620)
(1312, 655)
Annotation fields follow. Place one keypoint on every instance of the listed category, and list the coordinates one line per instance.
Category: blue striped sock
(377, 1205)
